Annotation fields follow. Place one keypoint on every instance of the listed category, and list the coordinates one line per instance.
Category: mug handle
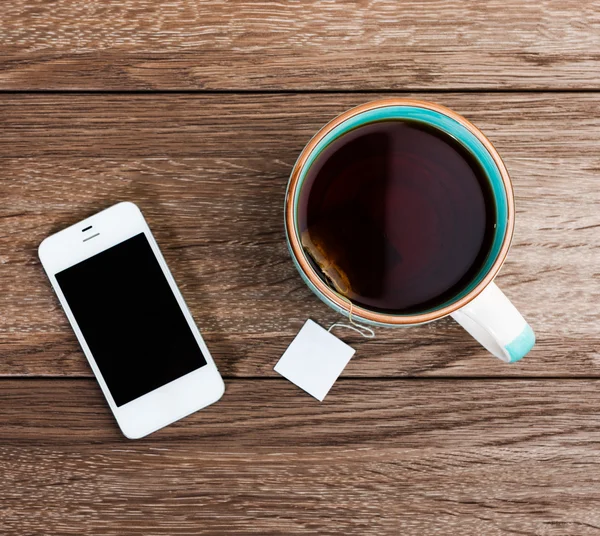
(496, 324)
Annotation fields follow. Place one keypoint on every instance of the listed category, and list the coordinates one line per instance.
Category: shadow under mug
(481, 308)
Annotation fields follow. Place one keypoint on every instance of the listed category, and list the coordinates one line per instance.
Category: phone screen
(130, 319)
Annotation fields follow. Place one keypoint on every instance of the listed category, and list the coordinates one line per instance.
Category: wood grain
(245, 45)
(419, 456)
(210, 177)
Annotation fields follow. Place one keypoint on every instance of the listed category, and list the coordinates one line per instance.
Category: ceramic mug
(481, 308)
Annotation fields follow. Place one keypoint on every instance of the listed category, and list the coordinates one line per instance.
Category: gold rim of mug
(361, 312)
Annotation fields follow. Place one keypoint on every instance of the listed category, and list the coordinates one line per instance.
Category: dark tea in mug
(397, 216)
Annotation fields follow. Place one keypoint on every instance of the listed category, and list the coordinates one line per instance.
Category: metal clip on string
(361, 329)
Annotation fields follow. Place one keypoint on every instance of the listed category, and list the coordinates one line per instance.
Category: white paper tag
(314, 360)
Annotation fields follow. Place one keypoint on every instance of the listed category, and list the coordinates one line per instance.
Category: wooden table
(196, 110)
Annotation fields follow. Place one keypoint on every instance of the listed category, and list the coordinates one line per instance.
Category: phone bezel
(172, 401)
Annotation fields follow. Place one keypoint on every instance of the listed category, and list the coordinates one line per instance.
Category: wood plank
(210, 175)
(178, 490)
(377, 44)
(274, 413)
(377, 457)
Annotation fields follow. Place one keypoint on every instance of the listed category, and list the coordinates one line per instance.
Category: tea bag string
(361, 329)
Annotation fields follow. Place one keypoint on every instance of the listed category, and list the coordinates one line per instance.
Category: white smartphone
(131, 320)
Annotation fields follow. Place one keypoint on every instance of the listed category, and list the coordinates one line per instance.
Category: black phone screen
(130, 319)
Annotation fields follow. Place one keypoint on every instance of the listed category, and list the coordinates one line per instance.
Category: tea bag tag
(314, 360)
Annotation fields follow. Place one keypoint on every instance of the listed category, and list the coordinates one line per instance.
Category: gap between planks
(347, 379)
(308, 91)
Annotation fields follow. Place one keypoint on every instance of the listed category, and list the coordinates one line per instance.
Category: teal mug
(480, 308)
